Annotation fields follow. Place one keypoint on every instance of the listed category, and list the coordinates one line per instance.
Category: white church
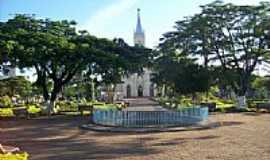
(137, 85)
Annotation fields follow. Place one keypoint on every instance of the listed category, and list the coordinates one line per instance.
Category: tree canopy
(227, 35)
(181, 74)
(58, 52)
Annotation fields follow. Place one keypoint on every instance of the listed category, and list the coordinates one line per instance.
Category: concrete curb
(99, 128)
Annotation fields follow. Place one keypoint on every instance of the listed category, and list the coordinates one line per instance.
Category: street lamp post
(93, 77)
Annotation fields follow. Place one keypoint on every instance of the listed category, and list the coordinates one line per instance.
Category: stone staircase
(143, 104)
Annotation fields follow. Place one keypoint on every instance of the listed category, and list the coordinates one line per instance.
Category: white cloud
(244, 2)
(99, 21)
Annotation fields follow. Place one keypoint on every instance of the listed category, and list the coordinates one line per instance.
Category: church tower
(139, 38)
(137, 85)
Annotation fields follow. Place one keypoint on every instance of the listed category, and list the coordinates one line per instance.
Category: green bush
(5, 101)
(95, 103)
(105, 106)
(66, 106)
(252, 102)
(33, 109)
(6, 112)
(70, 106)
(221, 103)
(21, 156)
(186, 102)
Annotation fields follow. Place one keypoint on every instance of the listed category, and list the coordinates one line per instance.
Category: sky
(112, 18)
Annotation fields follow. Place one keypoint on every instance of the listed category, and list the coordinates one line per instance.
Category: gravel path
(235, 137)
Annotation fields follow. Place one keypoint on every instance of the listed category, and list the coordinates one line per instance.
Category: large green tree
(234, 37)
(58, 52)
(51, 47)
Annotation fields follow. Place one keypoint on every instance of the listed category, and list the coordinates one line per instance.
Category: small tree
(15, 86)
(181, 73)
(261, 86)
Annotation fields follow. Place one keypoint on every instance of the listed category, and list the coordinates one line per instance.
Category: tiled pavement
(240, 136)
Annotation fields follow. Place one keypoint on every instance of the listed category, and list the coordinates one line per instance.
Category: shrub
(186, 102)
(66, 106)
(221, 103)
(21, 156)
(33, 109)
(95, 103)
(5, 101)
(103, 106)
(6, 112)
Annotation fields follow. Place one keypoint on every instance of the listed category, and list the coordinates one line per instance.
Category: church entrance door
(140, 91)
(128, 91)
(152, 90)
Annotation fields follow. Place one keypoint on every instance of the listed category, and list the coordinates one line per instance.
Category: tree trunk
(241, 91)
(163, 91)
(50, 107)
(56, 89)
(44, 88)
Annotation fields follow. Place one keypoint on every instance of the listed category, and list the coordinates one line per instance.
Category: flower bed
(21, 156)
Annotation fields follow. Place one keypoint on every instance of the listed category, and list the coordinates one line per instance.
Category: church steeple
(139, 38)
(139, 25)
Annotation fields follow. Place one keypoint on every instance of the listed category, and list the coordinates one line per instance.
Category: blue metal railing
(182, 117)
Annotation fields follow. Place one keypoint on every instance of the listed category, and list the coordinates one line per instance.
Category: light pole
(93, 77)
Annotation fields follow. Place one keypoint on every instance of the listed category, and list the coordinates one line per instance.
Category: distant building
(262, 69)
(137, 85)
(8, 71)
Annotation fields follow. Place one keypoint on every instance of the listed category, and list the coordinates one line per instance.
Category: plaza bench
(21, 112)
(84, 107)
(211, 106)
(265, 106)
(122, 103)
(8, 149)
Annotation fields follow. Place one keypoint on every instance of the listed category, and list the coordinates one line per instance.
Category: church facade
(137, 85)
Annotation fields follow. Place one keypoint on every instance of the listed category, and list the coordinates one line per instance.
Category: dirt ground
(241, 136)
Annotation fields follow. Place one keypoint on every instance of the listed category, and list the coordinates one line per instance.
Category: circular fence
(182, 117)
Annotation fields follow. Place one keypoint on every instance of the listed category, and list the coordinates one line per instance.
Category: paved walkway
(143, 104)
(239, 136)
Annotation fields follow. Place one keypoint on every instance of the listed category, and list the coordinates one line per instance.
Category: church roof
(139, 29)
